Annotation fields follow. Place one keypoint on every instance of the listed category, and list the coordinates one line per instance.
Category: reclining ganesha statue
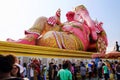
(79, 32)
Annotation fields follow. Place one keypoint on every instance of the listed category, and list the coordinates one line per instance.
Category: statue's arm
(53, 20)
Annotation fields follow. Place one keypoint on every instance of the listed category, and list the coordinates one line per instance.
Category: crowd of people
(100, 69)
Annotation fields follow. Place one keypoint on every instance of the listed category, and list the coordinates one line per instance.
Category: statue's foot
(10, 40)
(28, 39)
(22, 41)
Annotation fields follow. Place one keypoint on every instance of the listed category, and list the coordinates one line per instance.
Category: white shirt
(31, 72)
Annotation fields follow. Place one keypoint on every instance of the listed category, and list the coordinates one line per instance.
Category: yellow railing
(40, 51)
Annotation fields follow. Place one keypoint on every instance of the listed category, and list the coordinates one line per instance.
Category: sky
(16, 16)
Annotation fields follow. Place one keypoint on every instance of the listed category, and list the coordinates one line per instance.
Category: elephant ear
(101, 32)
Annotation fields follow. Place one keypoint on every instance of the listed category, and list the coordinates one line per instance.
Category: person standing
(90, 71)
(118, 71)
(99, 69)
(105, 71)
(44, 72)
(51, 71)
(117, 46)
(64, 74)
(55, 68)
(25, 70)
(83, 71)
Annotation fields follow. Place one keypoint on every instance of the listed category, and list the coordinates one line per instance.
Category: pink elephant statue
(79, 32)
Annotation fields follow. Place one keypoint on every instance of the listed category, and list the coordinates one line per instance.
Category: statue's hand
(58, 13)
(52, 20)
(55, 19)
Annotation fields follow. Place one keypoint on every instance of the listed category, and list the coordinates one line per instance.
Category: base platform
(40, 51)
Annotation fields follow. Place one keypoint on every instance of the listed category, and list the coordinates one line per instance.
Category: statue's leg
(60, 40)
(38, 26)
(49, 40)
(33, 33)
